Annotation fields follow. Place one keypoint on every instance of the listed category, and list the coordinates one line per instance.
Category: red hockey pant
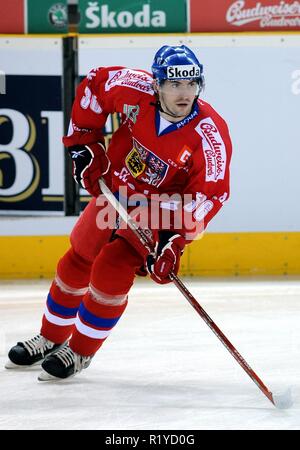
(89, 293)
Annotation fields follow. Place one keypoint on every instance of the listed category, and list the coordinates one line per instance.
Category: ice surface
(283, 400)
(162, 367)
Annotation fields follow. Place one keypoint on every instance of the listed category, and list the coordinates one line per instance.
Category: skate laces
(37, 344)
(68, 358)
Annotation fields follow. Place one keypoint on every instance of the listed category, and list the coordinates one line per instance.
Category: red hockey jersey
(190, 158)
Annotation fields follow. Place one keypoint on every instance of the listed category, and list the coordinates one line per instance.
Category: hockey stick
(281, 401)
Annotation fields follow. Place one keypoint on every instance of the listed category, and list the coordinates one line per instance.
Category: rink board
(253, 80)
(216, 254)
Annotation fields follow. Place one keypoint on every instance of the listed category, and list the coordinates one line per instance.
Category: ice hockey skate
(62, 364)
(30, 353)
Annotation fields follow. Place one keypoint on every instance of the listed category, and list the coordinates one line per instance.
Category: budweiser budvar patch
(245, 15)
(130, 78)
(214, 150)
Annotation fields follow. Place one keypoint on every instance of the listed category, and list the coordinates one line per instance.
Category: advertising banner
(47, 16)
(31, 126)
(28, 125)
(133, 16)
(12, 16)
(33, 16)
(244, 15)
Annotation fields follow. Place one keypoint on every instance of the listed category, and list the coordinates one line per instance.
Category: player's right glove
(90, 162)
(169, 250)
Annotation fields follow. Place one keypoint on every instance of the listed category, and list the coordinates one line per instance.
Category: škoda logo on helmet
(185, 71)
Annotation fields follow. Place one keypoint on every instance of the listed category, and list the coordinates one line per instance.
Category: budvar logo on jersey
(282, 14)
(186, 119)
(185, 71)
(131, 78)
(104, 18)
(213, 148)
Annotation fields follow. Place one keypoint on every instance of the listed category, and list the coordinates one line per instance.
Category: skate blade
(10, 365)
(45, 376)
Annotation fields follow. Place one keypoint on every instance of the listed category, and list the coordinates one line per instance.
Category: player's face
(177, 96)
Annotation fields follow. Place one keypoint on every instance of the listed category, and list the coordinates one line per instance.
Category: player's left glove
(169, 250)
(90, 162)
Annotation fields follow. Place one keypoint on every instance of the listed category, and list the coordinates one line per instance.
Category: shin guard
(65, 295)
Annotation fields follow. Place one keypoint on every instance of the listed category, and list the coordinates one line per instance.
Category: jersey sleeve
(104, 91)
(209, 179)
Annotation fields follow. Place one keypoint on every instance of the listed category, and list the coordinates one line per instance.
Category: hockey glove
(169, 250)
(90, 162)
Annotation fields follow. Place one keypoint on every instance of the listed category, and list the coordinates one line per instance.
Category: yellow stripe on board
(31, 256)
(217, 254)
(139, 35)
(37, 36)
(189, 34)
(234, 254)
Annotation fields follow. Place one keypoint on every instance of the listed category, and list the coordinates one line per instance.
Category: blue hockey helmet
(177, 63)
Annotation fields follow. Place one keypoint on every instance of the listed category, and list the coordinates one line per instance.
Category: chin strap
(157, 104)
(165, 112)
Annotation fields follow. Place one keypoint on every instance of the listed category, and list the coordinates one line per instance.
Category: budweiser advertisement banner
(12, 16)
(244, 15)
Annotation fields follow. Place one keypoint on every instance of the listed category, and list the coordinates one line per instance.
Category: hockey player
(170, 142)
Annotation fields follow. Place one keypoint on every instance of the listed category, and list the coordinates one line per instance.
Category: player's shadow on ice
(129, 393)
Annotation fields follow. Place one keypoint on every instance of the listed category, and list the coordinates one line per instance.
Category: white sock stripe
(68, 289)
(90, 332)
(107, 299)
(58, 320)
